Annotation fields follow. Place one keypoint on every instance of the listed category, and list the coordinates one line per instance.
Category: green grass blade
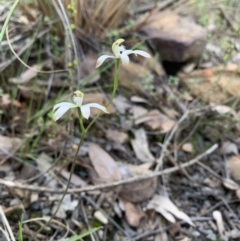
(77, 237)
(8, 19)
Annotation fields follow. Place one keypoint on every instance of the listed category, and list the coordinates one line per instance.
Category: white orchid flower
(120, 52)
(61, 108)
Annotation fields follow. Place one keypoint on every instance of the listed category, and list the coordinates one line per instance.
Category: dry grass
(89, 19)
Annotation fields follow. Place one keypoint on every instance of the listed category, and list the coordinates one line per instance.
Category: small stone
(176, 38)
(14, 202)
(100, 217)
(46, 211)
(35, 206)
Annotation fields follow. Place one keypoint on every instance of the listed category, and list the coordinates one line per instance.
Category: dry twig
(11, 184)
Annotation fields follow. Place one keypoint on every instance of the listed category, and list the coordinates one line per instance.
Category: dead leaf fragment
(104, 165)
(187, 147)
(234, 166)
(238, 193)
(122, 104)
(7, 144)
(218, 218)
(138, 99)
(222, 109)
(27, 75)
(230, 184)
(154, 119)
(5, 100)
(165, 207)
(229, 148)
(140, 146)
(75, 180)
(140, 190)
(134, 214)
(117, 136)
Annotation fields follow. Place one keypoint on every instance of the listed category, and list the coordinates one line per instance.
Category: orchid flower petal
(85, 109)
(62, 109)
(125, 58)
(127, 52)
(116, 48)
(66, 104)
(78, 98)
(142, 53)
(102, 58)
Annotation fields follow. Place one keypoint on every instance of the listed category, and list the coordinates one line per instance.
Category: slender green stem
(8, 19)
(84, 132)
(115, 85)
(82, 128)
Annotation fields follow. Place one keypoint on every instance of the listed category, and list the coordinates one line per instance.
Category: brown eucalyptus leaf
(134, 213)
(104, 165)
(234, 166)
(140, 190)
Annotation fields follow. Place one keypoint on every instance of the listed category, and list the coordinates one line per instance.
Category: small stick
(5, 222)
(11, 184)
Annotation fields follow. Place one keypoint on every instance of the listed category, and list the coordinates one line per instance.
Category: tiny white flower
(61, 108)
(120, 52)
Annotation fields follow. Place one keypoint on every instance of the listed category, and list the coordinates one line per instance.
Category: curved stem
(115, 85)
(71, 173)
(84, 132)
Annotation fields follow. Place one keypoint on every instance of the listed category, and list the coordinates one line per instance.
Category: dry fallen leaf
(138, 99)
(27, 75)
(223, 109)
(117, 136)
(75, 180)
(138, 112)
(230, 184)
(7, 144)
(134, 213)
(140, 146)
(187, 147)
(238, 193)
(140, 190)
(122, 104)
(154, 119)
(218, 218)
(234, 166)
(229, 148)
(104, 165)
(165, 207)
(5, 100)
